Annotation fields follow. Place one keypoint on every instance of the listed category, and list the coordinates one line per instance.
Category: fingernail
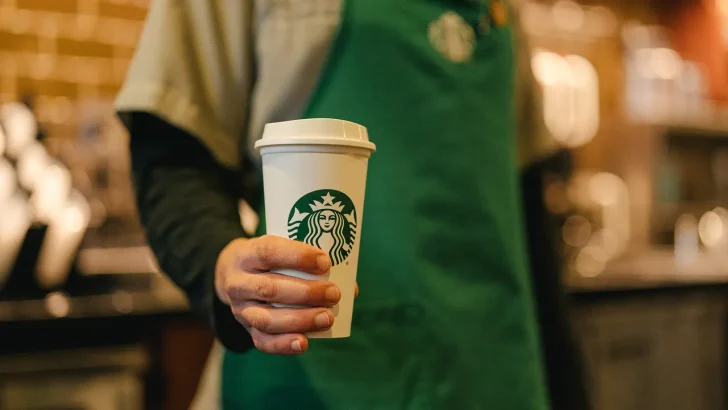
(323, 263)
(332, 294)
(322, 320)
(296, 346)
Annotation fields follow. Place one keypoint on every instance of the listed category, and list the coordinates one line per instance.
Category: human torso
(444, 318)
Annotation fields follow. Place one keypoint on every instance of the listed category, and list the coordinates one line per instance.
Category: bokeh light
(591, 261)
(31, 165)
(576, 231)
(8, 183)
(605, 189)
(711, 229)
(20, 127)
(687, 243)
(665, 63)
(567, 15)
(2, 140)
(51, 192)
(571, 108)
(57, 304)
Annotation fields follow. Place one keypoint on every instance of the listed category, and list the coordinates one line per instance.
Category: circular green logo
(325, 219)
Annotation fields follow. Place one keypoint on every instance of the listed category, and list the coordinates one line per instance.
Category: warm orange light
(51, 191)
(31, 165)
(20, 127)
(570, 96)
(66, 229)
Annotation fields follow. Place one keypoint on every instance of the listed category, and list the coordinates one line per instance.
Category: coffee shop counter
(653, 336)
(653, 269)
(112, 343)
(653, 333)
(128, 283)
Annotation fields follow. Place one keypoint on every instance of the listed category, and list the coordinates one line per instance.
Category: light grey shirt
(222, 69)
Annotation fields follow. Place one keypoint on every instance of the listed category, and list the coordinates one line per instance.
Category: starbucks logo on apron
(325, 219)
(453, 37)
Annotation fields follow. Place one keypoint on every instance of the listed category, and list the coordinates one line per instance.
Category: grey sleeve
(194, 67)
(188, 206)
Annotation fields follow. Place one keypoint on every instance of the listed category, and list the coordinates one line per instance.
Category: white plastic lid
(315, 131)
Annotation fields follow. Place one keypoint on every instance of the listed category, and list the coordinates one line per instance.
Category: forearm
(188, 204)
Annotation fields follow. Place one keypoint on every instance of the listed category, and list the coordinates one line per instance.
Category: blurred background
(86, 322)
(636, 90)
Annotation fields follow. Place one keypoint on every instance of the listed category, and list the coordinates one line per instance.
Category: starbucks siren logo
(325, 219)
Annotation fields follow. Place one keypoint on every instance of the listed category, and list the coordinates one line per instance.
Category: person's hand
(243, 281)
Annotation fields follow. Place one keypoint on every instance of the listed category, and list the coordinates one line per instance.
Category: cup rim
(315, 131)
(345, 142)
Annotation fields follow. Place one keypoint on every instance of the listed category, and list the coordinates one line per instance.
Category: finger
(356, 291)
(273, 320)
(273, 252)
(287, 345)
(276, 288)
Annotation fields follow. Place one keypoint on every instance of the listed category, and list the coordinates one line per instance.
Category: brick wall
(65, 52)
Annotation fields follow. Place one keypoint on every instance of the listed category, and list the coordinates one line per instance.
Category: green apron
(445, 317)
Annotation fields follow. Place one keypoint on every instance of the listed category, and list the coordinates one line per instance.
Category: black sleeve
(565, 374)
(188, 204)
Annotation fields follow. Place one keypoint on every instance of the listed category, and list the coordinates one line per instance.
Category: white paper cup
(314, 176)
